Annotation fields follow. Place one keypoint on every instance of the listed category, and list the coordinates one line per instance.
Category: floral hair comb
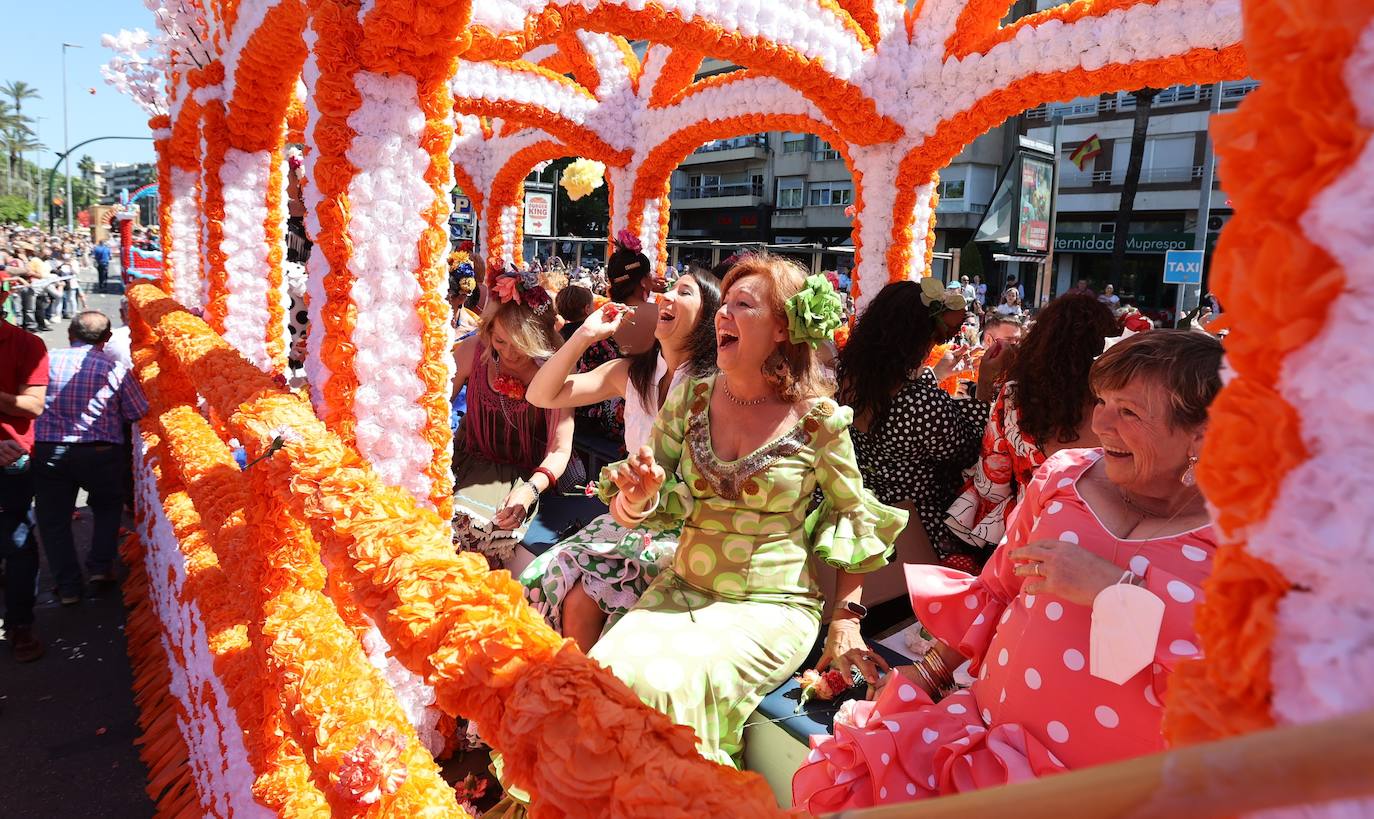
(514, 285)
(815, 313)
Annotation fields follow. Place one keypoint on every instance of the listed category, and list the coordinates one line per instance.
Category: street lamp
(65, 140)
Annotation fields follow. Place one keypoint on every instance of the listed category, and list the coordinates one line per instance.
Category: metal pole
(1190, 294)
(66, 141)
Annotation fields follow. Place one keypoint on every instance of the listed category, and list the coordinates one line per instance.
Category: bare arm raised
(556, 386)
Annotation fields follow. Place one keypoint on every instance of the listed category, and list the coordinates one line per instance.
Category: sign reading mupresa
(1159, 243)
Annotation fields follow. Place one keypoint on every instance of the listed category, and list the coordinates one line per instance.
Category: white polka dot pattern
(1058, 731)
(1182, 648)
(1106, 717)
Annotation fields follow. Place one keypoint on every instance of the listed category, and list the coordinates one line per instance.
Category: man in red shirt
(23, 387)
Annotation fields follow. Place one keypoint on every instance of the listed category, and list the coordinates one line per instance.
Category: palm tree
(18, 91)
(1144, 100)
(8, 121)
(87, 168)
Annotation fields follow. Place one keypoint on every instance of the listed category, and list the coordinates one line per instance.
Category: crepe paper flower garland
(340, 715)
(468, 631)
(1286, 594)
(161, 127)
(987, 73)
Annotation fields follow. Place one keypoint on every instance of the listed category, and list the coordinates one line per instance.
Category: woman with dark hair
(1045, 406)
(912, 438)
(1100, 536)
(632, 284)
(734, 459)
(587, 582)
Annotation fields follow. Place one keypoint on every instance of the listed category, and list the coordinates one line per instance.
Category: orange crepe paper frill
(435, 367)
(214, 134)
(171, 787)
(1277, 287)
(299, 633)
(467, 630)
(173, 433)
(335, 98)
(161, 126)
(853, 115)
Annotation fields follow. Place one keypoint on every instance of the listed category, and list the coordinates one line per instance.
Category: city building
(1167, 202)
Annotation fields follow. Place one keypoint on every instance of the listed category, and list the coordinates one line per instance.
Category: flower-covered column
(181, 235)
(381, 122)
(894, 223)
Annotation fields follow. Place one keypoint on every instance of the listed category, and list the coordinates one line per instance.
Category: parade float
(305, 636)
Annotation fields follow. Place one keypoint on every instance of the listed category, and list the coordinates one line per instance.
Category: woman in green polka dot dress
(734, 459)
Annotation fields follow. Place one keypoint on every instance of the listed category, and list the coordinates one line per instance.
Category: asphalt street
(67, 721)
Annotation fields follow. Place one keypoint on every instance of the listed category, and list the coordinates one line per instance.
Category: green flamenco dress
(739, 609)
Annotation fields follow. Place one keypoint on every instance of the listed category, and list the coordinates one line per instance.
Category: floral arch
(324, 574)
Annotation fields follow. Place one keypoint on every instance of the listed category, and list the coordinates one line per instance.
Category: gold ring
(1038, 573)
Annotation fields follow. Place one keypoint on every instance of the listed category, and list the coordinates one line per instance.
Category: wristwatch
(859, 610)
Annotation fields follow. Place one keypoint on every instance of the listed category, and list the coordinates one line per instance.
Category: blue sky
(32, 52)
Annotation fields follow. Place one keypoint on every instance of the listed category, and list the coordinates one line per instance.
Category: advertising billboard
(538, 213)
(1034, 202)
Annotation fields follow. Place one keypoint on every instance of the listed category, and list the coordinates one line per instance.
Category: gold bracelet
(941, 676)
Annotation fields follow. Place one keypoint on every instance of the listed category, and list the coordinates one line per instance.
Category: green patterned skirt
(707, 661)
(614, 564)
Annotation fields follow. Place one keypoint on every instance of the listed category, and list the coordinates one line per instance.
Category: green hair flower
(814, 314)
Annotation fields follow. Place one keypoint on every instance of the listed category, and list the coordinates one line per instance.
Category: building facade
(1167, 202)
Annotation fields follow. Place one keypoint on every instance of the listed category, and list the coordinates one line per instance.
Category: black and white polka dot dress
(919, 449)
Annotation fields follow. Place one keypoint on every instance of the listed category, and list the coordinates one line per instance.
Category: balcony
(1231, 93)
(735, 149)
(727, 195)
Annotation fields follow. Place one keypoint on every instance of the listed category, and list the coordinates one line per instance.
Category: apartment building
(1167, 202)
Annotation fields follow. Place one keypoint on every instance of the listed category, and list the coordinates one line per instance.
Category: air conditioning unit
(1106, 227)
(1215, 223)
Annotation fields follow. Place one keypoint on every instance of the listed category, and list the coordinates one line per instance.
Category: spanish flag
(1091, 147)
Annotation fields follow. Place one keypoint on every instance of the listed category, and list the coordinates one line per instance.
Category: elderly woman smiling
(1067, 674)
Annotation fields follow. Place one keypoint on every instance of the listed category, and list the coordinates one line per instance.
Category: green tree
(14, 209)
(18, 91)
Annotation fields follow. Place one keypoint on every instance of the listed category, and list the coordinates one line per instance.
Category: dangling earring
(1189, 477)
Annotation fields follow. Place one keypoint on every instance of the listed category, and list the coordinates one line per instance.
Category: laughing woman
(733, 459)
(590, 580)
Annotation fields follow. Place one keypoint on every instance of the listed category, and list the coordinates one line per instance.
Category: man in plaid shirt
(80, 445)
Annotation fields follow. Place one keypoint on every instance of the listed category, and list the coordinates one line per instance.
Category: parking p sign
(1183, 267)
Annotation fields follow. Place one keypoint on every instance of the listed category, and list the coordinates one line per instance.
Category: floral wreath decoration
(815, 313)
(522, 286)
(461, 272)
(940, 299)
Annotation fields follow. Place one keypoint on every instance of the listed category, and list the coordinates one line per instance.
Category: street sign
(1183, 267)
(462, 204)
